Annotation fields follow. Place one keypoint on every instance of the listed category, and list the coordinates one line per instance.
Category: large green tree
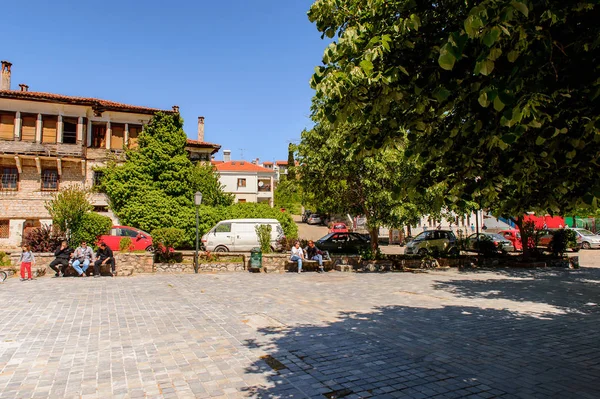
(500, 97)
(204, 178)
(341, 178)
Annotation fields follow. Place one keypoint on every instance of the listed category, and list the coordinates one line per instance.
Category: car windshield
(421, 236)
(327, 237)
(314, 216)
(585, 232)
(339, 226)
(496, 237)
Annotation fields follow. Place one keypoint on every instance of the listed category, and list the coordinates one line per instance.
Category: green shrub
(562, 240)
(263, 232)
(4, 259)
(90, 227)
(125, 244)
(44, 239)
(168, 237)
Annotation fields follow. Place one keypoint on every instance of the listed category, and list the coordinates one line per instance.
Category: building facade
(247, 181)
(51, 141)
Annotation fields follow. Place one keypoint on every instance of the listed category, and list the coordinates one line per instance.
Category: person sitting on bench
(297, 255)
(62, 254)
(82, 257)
(313, 253)
(104, 255)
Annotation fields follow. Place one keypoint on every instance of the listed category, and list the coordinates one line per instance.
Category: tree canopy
(500, 99)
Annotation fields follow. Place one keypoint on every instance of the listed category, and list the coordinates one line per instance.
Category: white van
(239, 235)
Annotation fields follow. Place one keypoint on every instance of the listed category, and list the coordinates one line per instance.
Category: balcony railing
(264, 188)
(43, 149)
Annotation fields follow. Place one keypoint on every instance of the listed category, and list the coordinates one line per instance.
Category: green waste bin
(255, 258)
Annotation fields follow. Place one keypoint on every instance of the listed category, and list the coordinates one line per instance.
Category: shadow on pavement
(448, 352)
(570, 290)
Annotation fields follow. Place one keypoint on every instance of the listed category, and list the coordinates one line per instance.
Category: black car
(343, 243)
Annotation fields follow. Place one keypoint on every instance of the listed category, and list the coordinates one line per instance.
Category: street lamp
(197, 202)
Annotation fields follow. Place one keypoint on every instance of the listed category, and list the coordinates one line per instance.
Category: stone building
(50, 141)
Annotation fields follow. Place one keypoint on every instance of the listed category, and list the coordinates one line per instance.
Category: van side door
(222, 236)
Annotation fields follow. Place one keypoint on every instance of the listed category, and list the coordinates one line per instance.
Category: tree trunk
(519, 221)
(374, 232)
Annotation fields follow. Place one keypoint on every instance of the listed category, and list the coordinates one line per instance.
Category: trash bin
(255, 258)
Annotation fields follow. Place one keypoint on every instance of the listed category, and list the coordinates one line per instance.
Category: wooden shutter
(134, 132)
(7, 127)
(49, 129)
(28, 128)
(117, 137)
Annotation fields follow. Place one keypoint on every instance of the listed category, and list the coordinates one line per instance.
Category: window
(4, 228)
(115, 232)
(242, 200)
(7, 126)
(49, 180)
(99, 136)
(49, 128)
(241, 183)
(98, 176)
(69, 131)
(223, 228)
(9, 179)
(100, 208)
(134, 133)
(129, 233)
(117, 136)
(28, 124)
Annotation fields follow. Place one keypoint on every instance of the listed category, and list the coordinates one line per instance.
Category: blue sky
(244, 65)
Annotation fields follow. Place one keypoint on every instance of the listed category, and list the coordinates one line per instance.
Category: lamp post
(197, 202)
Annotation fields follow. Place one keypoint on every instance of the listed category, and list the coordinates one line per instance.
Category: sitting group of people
(311, 252)
(81, 258)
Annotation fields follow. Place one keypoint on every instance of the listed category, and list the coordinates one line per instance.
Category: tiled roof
(98, 104)
(281, 163)
(202, 144)
(267, 163)
(241, 166)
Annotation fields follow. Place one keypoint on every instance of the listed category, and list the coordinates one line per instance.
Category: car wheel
(150, 248)
(586, 245)
(422, 252)
(221, 249)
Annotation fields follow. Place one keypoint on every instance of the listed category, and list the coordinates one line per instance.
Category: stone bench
(309, 265)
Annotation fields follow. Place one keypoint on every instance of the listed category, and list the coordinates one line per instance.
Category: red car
(513, 236)
(140, 240)
(338, 228)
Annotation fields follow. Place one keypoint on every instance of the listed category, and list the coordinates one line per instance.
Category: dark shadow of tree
(448, 352)
(574, 291)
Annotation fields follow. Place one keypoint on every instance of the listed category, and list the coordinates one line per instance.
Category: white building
(247, 181)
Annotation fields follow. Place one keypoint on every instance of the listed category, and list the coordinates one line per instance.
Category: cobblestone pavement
(445, 334)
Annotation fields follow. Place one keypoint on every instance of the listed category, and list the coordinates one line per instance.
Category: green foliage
(291, 169)
(5, 259)
(263, 232)
(204, 179)
(90, 227)
(287, 196)
(562, 240)
(154, 188)
(168, 237)
(44, 239)
(255, 210)
(500, 100)
(68, 206)
(369, 254)
(125, 245)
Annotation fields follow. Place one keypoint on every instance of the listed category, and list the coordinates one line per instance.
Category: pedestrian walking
(26, 260)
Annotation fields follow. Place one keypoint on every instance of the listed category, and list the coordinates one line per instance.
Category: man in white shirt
(297, 255)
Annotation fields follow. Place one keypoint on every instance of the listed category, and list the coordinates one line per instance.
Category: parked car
(140, 240)
(239, 235)
(345, 243)
(306, 215)
(338, 228)
(501, 243)
(587, 239)
(443, 241)
(514, 236)
(314, 219)
(545, 238)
